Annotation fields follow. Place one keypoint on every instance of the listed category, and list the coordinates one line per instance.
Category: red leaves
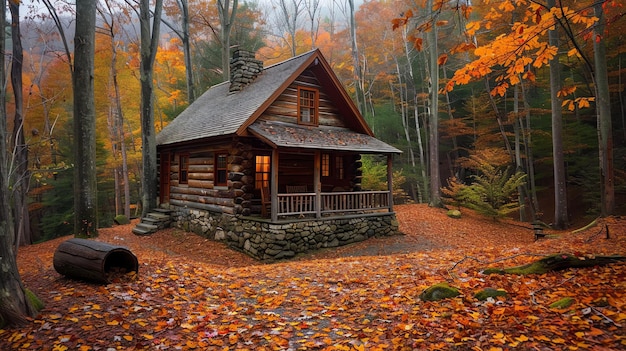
(195, 294)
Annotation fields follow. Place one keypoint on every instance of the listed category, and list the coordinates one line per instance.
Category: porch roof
(279, 134)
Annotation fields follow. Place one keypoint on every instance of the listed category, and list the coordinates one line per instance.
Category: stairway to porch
(154, 220)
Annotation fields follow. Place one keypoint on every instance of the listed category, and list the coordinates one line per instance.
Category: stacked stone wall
(271, 241)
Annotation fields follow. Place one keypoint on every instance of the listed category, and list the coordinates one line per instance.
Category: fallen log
(93, 261)
(555, 263)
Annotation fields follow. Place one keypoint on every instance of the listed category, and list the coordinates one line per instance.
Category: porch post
(390, 181)
(316, 183)
(274, 185)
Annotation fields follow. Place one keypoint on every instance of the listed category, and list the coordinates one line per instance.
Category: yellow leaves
(472, 27)
(580, 102)
(566, 91)
(545, 55)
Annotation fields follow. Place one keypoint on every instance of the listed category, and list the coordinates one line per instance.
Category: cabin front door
(164, 189)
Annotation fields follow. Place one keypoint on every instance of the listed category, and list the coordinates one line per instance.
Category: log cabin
(270, 161)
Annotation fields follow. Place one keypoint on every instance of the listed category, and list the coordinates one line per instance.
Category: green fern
(492, 192)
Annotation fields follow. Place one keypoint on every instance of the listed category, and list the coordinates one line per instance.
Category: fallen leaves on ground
(196, 294)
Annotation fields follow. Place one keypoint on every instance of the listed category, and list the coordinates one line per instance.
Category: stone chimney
(244, 68)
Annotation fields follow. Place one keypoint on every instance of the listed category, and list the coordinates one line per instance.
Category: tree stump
(93, 260)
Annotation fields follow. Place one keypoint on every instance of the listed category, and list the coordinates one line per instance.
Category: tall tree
(14, 306)
(117, 115)
(288, 20)
(182, 32)
(21, 176)
(433, 110)
(227, 11)
(85, 189)
(603, 103)
(358, 74)
(149, 46)
(560, 187)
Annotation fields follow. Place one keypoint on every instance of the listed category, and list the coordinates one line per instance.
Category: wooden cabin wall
(285, 107)
(201, 191)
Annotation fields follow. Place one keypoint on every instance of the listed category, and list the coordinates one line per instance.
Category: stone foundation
(271, 241)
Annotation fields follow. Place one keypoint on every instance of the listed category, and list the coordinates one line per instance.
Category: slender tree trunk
(14, 307)
(404, 115)
(603, 104)
(358, 74)
(560, 188)
(85, 191)
(149, 46)
(518, 151)
(118, 126)
(433, 136)
(21, 178)
(227, 20)
(530, 164)
(184, 9)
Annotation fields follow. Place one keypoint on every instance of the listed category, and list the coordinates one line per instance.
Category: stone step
(163, 210)
(147, 226)
(158, 216)
(141, 231)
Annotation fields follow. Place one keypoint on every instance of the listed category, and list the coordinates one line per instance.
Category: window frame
(325, 165)
(312, 105)
(183, 168)
(217, 169)
(340, 167)
(261, 175)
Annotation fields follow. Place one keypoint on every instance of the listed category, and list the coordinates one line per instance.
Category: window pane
(325, 165)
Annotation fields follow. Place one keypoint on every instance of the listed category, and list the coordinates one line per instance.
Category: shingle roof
(217, 113)
(322, 137)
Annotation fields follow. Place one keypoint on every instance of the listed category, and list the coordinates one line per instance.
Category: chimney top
(244, 68)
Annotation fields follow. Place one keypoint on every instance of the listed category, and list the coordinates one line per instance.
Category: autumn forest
(513, 112)
(508, 75)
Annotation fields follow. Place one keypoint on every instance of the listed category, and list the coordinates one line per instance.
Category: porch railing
(332, 203)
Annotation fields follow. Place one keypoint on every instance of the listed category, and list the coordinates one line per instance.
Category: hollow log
(93, 261)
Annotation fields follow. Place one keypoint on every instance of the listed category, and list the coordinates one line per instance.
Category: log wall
(200, 190)
(285, 107)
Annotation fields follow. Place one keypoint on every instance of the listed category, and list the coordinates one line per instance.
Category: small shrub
(493, 191)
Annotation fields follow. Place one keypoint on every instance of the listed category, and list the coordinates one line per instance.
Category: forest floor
(196, 294)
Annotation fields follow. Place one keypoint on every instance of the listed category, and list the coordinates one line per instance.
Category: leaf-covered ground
(194, 294)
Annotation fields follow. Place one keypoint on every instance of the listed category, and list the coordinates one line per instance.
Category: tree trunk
(560, 188)
(603, 104)
(118, 131)
(433, 135)
(14, 307)
(227, 19)
(149, 46)
(358, 75)
(21, 177)
(191, 89)
(85, 191)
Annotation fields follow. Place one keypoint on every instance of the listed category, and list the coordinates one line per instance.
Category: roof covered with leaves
(280, 134)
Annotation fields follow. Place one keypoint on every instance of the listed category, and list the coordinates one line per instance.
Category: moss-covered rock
(35, 301)
(486, 293)
(456, 214)
(121, 219)
(563, 303)
(439, 292)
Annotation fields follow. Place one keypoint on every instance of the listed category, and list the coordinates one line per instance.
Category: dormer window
(307, 106)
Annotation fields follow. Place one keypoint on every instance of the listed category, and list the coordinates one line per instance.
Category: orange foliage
(193, 293)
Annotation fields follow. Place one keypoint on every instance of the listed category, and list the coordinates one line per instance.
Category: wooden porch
(328, 204)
